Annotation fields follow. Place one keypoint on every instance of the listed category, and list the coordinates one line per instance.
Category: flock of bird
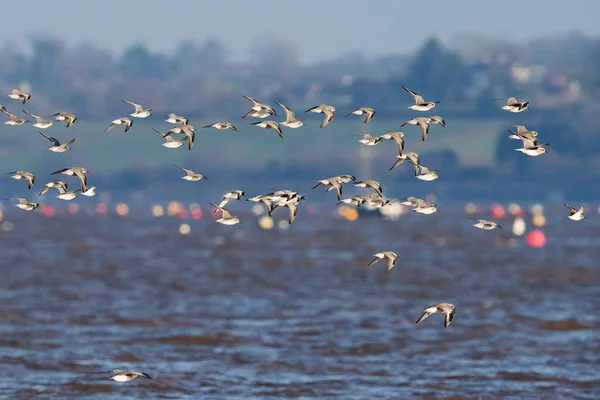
(279, 198)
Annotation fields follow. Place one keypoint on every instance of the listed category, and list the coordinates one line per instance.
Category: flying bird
(226, 217)
(222, 126)
(443, 308)
(176, 119)
(170, 143)
(24, 204)
(268, 124)
(75, 171)
(260, 107)
(23, 175)
(369, 113)
(233, 195)
(59, 185)
(392, 259)
(398, 137)
(65, 116)
(56, 146)
(120, 121)
(329, 112)
(126, 376)
(139, 112)
(290, 118)
(14, 120)
(576, 214)
(515, 106)
(420, 103)
(485, 225)
(18, 95)
(42, 123)
(191, 175)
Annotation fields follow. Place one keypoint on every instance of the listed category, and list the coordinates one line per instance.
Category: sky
(319, 29)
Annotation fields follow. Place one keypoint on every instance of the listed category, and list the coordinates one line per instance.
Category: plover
(126, 376)
(226, 217)
(423, 122)
(368, 139)
(139, 112)
(23, 175)
(484, 224)
(89, 192)
(184, 129)
(370, 184)
(24, 204)
(290, 118)
(425, 208)
(514, 105)
(257, 114)
(170, 143)
(329, 112)
(411, 156)
(425, 174)
(413, 202)
(68, 195)
(524, 134)
(65, 116)
(18, 95)
(392, 259)
(176, 119)
(398, 137)
(260, 107)
(233, 195)
(191, 175)
(222, 126)
(268, 124)
(75, 171)
(120, 121)
(335, 182)
(576, 214)
(61, 186)
(56, 146)
(354, 200)
(42, 122)
(532, 149)
(420, 103)
(443, 308)
(369, 113)
(14, 120)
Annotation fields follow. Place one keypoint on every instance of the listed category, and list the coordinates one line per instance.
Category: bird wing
(573, 211)
(53, 140)
(83, 178)
(289, 114)
(329, 115)
(424, 128)
(138, 107)
(449, 318)
(425, 315)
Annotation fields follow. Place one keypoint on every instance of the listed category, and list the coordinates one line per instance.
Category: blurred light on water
(101, 208)
(537, 209)
(158, 210)
(265, 222)
(185, 229)
(539, 220)
(515, 209)
(122, 209)
(536, 239)
(173, 208)
(519, 226)
(497, 211)
(7, 226)
(257, 209)
(48, 211)
(73, 208)
(470, 208)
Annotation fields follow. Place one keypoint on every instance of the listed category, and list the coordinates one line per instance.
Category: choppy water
(242, 313)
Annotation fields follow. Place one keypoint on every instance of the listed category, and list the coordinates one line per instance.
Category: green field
(473, 141)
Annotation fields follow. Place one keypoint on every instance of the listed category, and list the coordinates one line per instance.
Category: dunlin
(56, 146)
(392, 259)
(369, 113)
(139, 112)
(329, 112)
(576, 214)
(420, 103)
(23, 175)
(443, 308)
(120, 121)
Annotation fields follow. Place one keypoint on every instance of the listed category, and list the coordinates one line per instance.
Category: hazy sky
(318, 28)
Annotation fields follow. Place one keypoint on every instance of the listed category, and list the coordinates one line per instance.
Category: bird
(514, 105)
(61, 186)
(139, 112)
(233, 195)
(19, 95)
(184, 129)
(260, 107)
(531, 148)
(420, 103)
(222, 126)
(576, 214)
(226, 217)
(257, 114)
(75, 171)
(413, 202)
(368, 139)
(191, 175)
(522, 132)
(290, 118)
(335, 182)
(369, 113)
(411, 156)
(268, 124)
(398, 137)
(68, 195)
(425, 174)
(435, 119)
(42, 122)
(14, 120)
(65, 116)
(56, 146)
(423, 122)
(89, 192)
(24, 204)
(176, 119)
(263, 198)
(23, 175)
(329, 112)
(392, 259)
(126, 376)
(370, 184)
(354, 200)
(120, 121)
(485, 225)
(425, 208)
(170, 143)
(375, 200)
(442, 308)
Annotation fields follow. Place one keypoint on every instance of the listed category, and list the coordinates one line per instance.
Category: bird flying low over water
(139, 112)
(120, 121)
(412, 157)
(290, 118)
(335, 182)
(42, 122)
(75, 171)
(368, 139)
(226, 217)
(370, 184)
(222, 126)
(56, 146)
(420, 103)
(392, 259)
(176, 119)
(126, 376)
(23, 175)
(184, 129)
(442, 308)
(191, 175)
(369, 113)
(398, 137)
(329, 112)
(268, 124)
(425, 174)
(170, 143)
(576, 214)
(484, 224)
(18, 95)
(14, 120)
(258, 107)
(59, 185)
(233, 195)
(514, 105)
(24, 204)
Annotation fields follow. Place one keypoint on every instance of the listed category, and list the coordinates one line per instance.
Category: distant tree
(138, 61)
(44, 66)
